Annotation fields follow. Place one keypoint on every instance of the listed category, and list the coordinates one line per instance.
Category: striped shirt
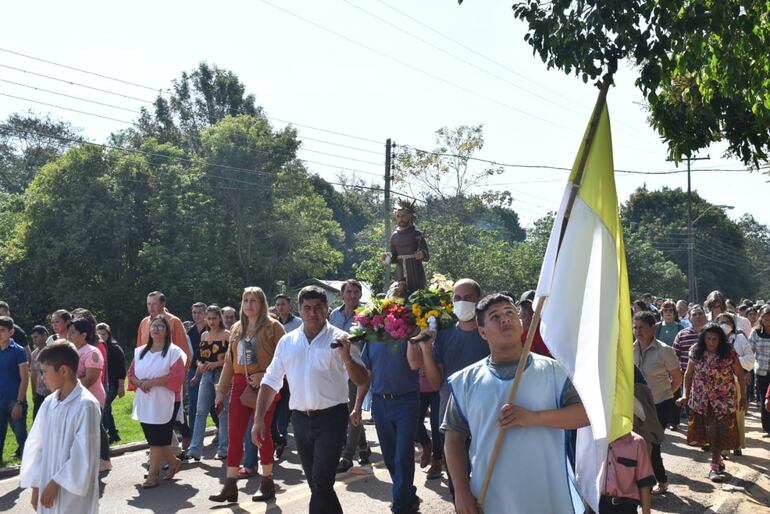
(760, 345)
(682, 344)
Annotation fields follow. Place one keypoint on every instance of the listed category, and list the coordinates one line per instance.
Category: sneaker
(715, 475)
(344, 465)
(738, 452)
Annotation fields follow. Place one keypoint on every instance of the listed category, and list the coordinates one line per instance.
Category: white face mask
(465, 311)
(726, 328)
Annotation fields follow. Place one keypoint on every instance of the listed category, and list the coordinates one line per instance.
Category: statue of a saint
(408, 249)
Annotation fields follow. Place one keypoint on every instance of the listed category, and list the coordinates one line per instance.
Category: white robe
(63, 445)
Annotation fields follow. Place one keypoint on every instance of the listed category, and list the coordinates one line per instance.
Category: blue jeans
(250, 450)
(396, 422)
(206, 394)
(18, 426)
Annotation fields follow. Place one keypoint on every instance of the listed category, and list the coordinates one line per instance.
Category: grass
(130, 430)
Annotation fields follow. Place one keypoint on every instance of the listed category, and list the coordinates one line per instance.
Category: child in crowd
(629, 477)
(61, 459)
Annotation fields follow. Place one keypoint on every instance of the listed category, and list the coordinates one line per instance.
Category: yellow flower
(450, 308)
(416, 309)
(433, 313)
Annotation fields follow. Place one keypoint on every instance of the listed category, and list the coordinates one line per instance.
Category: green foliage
(197, 100)
(703, 66)
(27, 142)
(720, 256)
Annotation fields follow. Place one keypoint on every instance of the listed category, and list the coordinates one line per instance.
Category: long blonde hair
(262, 315)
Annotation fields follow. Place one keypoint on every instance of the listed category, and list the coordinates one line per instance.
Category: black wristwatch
(23, 403)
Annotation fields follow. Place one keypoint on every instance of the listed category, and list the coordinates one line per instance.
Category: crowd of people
(257, 369)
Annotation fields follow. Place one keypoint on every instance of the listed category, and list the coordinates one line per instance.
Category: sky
(371, 69)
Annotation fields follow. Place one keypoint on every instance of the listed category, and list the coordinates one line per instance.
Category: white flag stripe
(580, 327)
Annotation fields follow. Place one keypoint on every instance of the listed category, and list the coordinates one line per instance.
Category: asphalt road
(367, 490)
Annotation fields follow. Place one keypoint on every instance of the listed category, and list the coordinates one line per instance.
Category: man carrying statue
(408, 249)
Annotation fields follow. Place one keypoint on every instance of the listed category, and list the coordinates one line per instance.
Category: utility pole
(691, 283)
(386, 206)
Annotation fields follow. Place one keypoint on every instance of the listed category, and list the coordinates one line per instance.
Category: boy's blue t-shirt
(10, 378)
(390, 369)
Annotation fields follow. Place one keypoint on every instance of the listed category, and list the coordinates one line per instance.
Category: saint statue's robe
(403, 245)
(63, 445)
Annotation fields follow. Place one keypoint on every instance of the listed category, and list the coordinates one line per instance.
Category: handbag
(248, 397)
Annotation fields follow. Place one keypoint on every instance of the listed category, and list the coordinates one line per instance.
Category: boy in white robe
(61, 456)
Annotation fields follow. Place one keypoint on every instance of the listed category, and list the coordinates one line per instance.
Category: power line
(68, 96)
(78, 84)
(67, 109)
(493, 61)
(86, 86)
(342, 157)
(562, 168)
(80, 70)
(356, 148)
(417, 69)
(206, 163)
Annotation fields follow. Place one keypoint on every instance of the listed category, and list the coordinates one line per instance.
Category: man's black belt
(389, 396)
(619, 500)
(319, 412)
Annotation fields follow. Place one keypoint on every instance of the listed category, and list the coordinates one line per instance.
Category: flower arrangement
(394, 318)
(435, 302)
(384, 319)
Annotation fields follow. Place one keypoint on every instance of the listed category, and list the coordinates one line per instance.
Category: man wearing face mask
(456, 347)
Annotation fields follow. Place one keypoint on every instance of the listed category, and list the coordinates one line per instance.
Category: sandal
(661, 488)
(243, 472)
(150, 483)
(174, 470)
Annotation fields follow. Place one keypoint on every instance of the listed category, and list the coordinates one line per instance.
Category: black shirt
(195, 341)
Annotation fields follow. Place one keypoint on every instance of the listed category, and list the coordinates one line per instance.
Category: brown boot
(427, 449)
(266, 490)
(229, 492)
(435, 469)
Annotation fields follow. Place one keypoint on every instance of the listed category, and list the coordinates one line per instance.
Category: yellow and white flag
(586, 318)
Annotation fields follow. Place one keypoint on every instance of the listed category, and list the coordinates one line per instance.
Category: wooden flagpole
(598, 108)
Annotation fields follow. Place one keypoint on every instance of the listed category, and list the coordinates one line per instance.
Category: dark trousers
(430, 400)
(627, 507)
(280, 424)
(18, 426)
(356, 436)
(319, 438)
(664, 410)
(396, 422)
(763, 382)
(107, 419)
(104, 440)
(37, 401)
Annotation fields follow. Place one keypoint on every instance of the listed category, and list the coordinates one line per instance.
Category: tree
(660, 218)
(452, 185)
(27, 142)
(197, 100)
(702, 65)
(757, 238)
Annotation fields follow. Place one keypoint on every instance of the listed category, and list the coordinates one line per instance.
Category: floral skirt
(709, 430)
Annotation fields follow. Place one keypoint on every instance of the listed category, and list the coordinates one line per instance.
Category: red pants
(238, 419)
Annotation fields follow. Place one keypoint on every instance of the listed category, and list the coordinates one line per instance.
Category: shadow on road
(8, 500)
(170, 496)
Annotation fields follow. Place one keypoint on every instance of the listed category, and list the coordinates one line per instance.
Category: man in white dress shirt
(318, 378)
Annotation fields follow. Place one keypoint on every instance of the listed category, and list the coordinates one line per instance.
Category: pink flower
(377, 321)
